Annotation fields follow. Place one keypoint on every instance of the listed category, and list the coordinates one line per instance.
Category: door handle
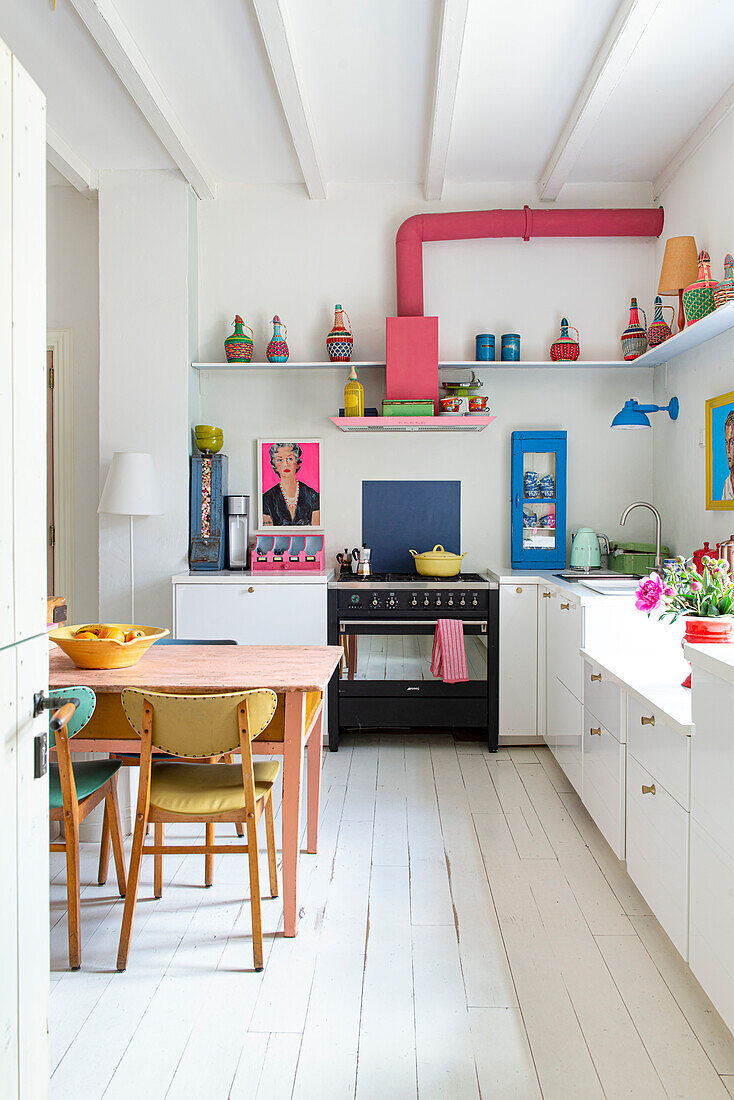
(250, 589)
(596, 676)
(565, 607)
(596, 731)
(519, 591)
(648, 790)
(42, 702)
(647, 721)
(546, 595)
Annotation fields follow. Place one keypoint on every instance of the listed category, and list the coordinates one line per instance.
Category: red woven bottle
(565, 348)
(339, 342)
(634, 337)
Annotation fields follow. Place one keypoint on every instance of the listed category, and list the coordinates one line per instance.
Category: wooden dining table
(294, 672)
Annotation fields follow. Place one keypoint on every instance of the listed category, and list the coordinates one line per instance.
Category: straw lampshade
(679, 270)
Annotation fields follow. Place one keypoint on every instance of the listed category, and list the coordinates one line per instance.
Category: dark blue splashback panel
(401, 515)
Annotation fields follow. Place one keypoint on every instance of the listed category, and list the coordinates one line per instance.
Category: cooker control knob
(391, 601)
(451, 601)
(374, 601)
(438, 601)
(414, 601)
(425, 601)
(474, 600)
(462, 602)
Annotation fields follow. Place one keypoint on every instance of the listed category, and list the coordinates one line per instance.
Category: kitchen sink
(608, 586)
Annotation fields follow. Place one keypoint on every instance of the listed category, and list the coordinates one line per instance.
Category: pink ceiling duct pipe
(525, 223)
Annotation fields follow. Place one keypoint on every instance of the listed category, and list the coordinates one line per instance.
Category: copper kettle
(726, 551)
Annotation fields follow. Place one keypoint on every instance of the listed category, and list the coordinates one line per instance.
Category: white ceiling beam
(702, 133)
(74, 170)
(278, 43)
(625, 31)
(103, 22)
(448, 60)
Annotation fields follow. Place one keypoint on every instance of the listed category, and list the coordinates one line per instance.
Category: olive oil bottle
(353, 395)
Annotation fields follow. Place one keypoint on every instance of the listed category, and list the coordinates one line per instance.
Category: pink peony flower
(696, 586)
(668, 590)
(650, 593)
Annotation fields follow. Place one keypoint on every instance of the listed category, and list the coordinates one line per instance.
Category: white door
(24, 958)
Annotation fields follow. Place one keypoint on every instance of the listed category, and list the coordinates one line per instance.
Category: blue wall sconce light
(634, 415)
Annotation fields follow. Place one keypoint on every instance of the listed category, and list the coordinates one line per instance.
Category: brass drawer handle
(596, 676)
(519, 591)
(546, 595)
(565, 607)
(648, 790)
(250, 589)
(647, 721)
(596, 731)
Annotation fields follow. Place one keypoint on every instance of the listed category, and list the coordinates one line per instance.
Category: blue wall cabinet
(538, 510)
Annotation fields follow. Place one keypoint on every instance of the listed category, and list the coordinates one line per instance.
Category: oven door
(394, 656)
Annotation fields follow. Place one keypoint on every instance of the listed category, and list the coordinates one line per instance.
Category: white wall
(697, 202)
(72, 246)
(144, 349)
(264, 251)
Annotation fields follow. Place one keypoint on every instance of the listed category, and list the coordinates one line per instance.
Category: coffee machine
(237, 511)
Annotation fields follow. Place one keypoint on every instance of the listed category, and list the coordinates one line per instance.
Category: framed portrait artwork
(289, 485)
(720, 453)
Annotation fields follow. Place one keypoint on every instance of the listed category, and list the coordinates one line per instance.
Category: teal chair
(74, 791)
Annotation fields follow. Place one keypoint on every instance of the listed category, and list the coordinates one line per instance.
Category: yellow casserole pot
(437, 562)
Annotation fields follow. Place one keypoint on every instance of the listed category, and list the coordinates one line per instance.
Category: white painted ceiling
(367, 73)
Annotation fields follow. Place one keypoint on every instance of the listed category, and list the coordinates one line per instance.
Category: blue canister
(531, 485)
(511, 347)
(485, 347)
(547, 486)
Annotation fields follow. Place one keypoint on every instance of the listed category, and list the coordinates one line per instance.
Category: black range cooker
(385, 624)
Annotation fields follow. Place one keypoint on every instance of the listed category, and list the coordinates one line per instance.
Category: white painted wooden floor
(466, 932)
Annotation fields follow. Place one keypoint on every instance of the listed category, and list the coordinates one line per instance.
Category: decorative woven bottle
(353, 395)
(724, 291)
(659, 331)
(277, 349)
(698, 298)
(634, 337)
(340, 341)
(238, 346)
(565, 347)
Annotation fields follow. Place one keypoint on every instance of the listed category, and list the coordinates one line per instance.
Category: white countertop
(244, 576)
(717, 659)
(504, 575)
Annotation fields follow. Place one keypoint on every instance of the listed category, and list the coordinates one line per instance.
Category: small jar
(511, 347)
(485, 348)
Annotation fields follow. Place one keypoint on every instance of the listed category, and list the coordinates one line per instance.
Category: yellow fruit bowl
(106, 652)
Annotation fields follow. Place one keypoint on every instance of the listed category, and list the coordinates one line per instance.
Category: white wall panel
(7, 594)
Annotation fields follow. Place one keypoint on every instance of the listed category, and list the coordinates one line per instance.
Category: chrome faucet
(658, 528)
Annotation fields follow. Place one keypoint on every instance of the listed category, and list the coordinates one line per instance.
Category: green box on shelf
(413, 407)
(635, 557)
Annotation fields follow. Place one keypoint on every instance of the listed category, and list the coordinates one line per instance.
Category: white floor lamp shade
(131, 489)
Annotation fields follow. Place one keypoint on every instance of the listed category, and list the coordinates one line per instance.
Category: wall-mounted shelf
(412, 423)
(706, 329)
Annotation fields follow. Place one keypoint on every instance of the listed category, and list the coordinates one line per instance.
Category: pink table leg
(295, 716)
(315, 757)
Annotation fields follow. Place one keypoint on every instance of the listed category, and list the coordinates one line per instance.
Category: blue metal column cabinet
(538, 508)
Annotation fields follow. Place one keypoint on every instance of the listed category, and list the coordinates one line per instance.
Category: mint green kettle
(585, 552)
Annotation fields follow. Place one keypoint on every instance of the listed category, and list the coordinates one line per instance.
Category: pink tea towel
(449, 654)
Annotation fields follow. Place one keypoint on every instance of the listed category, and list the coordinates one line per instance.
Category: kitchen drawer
(252, 614)
(564, 640)
(567, 720)
(603, 697)
(658, 851)
(659, 748)
(603, 790)
(712, 919)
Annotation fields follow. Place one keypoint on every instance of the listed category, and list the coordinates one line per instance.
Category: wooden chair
(73, 793)
(194, 727)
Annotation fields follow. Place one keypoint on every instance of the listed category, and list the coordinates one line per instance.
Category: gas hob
(464, 593)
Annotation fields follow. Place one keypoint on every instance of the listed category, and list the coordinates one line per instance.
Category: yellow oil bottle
(353, 395)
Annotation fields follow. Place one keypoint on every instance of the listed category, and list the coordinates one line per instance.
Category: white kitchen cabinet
(564, 639)
(518, 663)
(604, 698)
(257, 613)
(711, 946)
(658, 850)
(603, 789)
(565, 722)
(660, 749)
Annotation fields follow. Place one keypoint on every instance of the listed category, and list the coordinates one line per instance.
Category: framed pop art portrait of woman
(289, 485)
(720, 453)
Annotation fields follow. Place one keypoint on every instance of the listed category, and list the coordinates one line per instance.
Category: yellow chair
(195, 727)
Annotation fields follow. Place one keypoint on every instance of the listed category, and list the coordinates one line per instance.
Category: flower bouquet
(705, 598)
